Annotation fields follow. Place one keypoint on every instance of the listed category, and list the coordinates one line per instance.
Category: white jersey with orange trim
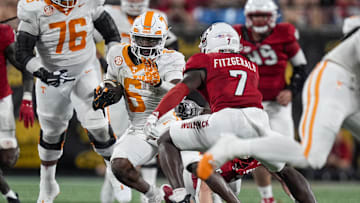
(347, 54)
(65, 36)
(141, 97)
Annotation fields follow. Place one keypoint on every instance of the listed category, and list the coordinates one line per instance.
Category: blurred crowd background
(318, 21)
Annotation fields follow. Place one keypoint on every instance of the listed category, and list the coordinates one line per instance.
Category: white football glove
(150, 130)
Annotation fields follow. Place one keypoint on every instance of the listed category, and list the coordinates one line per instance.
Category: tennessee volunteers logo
(48, 10)
(118, 60)
(43, 88)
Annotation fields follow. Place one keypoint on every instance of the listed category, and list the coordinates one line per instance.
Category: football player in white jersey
(331, 98)
(124, 17)
(67, 72)
(144, 71)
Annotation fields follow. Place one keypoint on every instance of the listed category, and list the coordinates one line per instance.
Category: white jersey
(142, 98)
(65, 37)
(347, 54)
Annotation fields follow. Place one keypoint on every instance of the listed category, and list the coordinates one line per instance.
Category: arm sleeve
(107, 28)
(25, 52)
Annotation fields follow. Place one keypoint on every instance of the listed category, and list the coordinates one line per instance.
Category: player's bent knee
(51, 128)
(51, 151)
(103, 140)
(8, 157)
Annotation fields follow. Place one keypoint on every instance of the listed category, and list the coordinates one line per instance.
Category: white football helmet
(134, 7)
(255, 8)
(220, 37)
(148, 35)
(65, 3)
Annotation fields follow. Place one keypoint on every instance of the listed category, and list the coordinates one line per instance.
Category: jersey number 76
(73, 34)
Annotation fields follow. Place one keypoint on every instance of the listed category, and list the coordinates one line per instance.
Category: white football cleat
(107, 194)
(48, 192)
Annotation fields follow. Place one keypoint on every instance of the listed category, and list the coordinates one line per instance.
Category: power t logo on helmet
(148, 35)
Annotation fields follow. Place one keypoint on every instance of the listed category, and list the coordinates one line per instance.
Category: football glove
(107, 94)
(188, 109)
(27, 113)
(152, 134)
(245, 166)
(151, 73)
(53, 78)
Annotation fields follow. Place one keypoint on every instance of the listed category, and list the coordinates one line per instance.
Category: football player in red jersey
(271, 46)
(229, 82)
(9, 150)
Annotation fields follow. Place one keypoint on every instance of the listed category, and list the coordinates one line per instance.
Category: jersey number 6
(73, 34)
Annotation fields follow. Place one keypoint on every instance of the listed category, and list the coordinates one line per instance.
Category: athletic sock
(266, 191)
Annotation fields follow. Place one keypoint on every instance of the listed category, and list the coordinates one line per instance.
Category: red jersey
(231, 80)
(7, 37)
(271, 55)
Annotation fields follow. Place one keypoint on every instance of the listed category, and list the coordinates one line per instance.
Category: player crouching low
(143, 72)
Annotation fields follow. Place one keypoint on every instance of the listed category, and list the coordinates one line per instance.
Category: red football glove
(26, 113)
(245, 166)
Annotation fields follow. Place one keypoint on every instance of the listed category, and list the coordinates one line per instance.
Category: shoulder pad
(172, 56)
(350, 24)
(115, 57)
(282, 33)
(288, 30)
(28, 11)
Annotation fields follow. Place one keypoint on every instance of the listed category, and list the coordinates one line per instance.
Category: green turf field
(87, 190)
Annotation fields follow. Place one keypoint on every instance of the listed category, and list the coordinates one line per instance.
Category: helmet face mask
(65, 3)
(261, 15)
(220, 38)
(134, 7)
(148, 35)
(147, 46)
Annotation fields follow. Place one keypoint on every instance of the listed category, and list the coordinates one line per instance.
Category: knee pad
(51, 151)
(102, 140)
(8, 157)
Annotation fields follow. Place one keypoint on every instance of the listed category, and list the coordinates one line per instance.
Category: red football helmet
(260, 15)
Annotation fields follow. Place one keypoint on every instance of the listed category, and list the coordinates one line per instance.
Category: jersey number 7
(73, 34)
(242, 81)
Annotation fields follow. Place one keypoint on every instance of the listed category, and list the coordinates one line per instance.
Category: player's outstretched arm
(26, 109)
(192, 80)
